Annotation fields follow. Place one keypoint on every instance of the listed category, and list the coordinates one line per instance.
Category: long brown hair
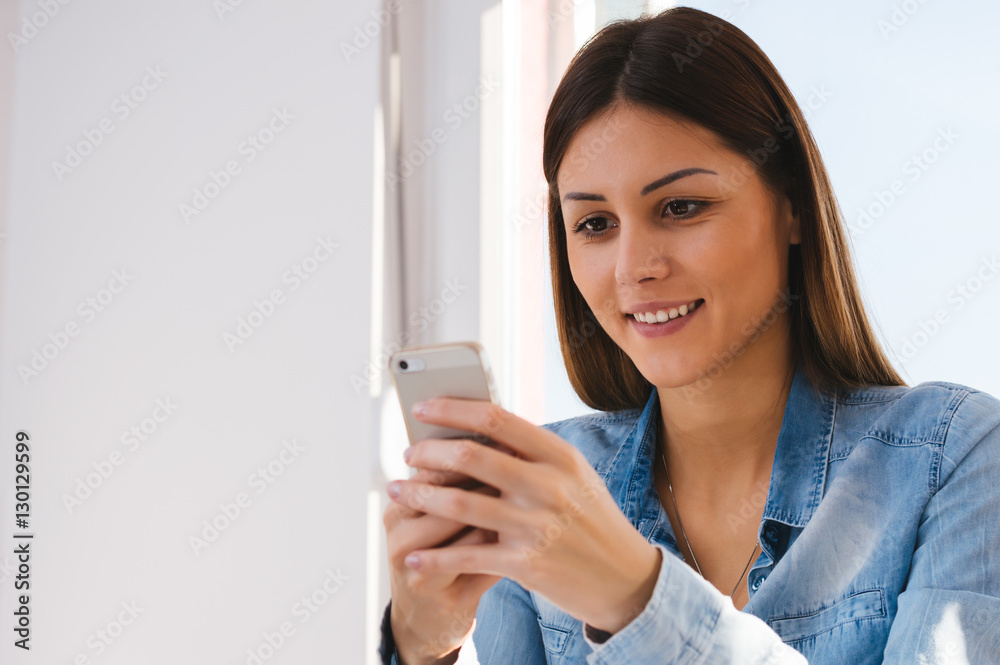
(690, 63)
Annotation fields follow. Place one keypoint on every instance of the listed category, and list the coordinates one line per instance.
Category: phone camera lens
(403, 364)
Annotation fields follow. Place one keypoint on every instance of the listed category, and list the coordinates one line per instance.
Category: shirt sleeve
(387, 646)
(688, 621)
(948, 611)
(507, 629)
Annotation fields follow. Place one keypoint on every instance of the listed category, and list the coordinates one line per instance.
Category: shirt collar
(801, 458)
(797, 477)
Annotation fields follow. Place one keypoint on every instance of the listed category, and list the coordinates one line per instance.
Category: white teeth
(660, 316)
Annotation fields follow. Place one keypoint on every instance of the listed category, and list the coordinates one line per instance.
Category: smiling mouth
(663, 315)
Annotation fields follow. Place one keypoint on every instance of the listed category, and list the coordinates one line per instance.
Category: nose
(640, 255)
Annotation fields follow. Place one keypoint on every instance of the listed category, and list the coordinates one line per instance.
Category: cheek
(584, 271)
(760, 257)
(594, 276)
(735, 265)
(715, 258)
(741, 252)
(750, 278)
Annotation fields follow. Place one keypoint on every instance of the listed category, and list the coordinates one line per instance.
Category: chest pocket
(556, 625)
(554, 638)
(854, 608)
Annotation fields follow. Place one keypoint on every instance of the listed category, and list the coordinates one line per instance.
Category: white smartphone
(459, 369)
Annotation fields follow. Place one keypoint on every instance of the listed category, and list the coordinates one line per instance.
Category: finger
(492, 421)
(470, 535)
(465, 531)
(476, 461)
(424, 532)
(473, 585)
(476, 585)
(433, 477)
(472, 508)
(428, 531)
(479, 559)
(396, 512)
(443, 477)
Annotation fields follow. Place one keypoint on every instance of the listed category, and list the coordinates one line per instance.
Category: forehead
(632, 141)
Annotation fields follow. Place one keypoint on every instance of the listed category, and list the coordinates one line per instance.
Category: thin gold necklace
(670, 486)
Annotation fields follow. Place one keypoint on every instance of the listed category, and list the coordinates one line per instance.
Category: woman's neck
(723, 432)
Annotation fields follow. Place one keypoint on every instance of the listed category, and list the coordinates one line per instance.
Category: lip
(663, 329)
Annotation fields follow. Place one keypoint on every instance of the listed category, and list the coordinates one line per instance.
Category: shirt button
(771, 533)
(757, 582)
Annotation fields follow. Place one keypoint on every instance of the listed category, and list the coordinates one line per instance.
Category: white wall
(162, 336)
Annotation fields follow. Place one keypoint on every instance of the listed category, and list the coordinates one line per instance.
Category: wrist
(450, 659)
(410, 649)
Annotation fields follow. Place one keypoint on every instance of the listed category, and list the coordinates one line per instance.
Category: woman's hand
(559, 531)
(432, 613)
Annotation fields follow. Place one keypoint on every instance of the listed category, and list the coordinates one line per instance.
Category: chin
(672, 372)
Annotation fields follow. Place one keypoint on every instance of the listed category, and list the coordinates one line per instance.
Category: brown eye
(683, 208)
(592, 227)
(679, 208)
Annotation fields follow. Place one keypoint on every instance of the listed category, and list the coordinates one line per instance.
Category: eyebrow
(656, 184)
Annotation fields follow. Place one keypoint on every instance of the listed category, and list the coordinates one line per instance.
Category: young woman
(761, 486)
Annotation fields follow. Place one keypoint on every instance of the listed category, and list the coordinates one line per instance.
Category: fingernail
(394, 488)
(421, 408)
(413, 561)
(407, 453)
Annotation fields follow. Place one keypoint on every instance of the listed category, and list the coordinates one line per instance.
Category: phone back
(448, 370)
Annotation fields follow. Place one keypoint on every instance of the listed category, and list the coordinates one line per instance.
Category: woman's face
(659, 215)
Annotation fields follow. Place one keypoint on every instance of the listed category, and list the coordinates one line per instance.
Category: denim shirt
(880, 543)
